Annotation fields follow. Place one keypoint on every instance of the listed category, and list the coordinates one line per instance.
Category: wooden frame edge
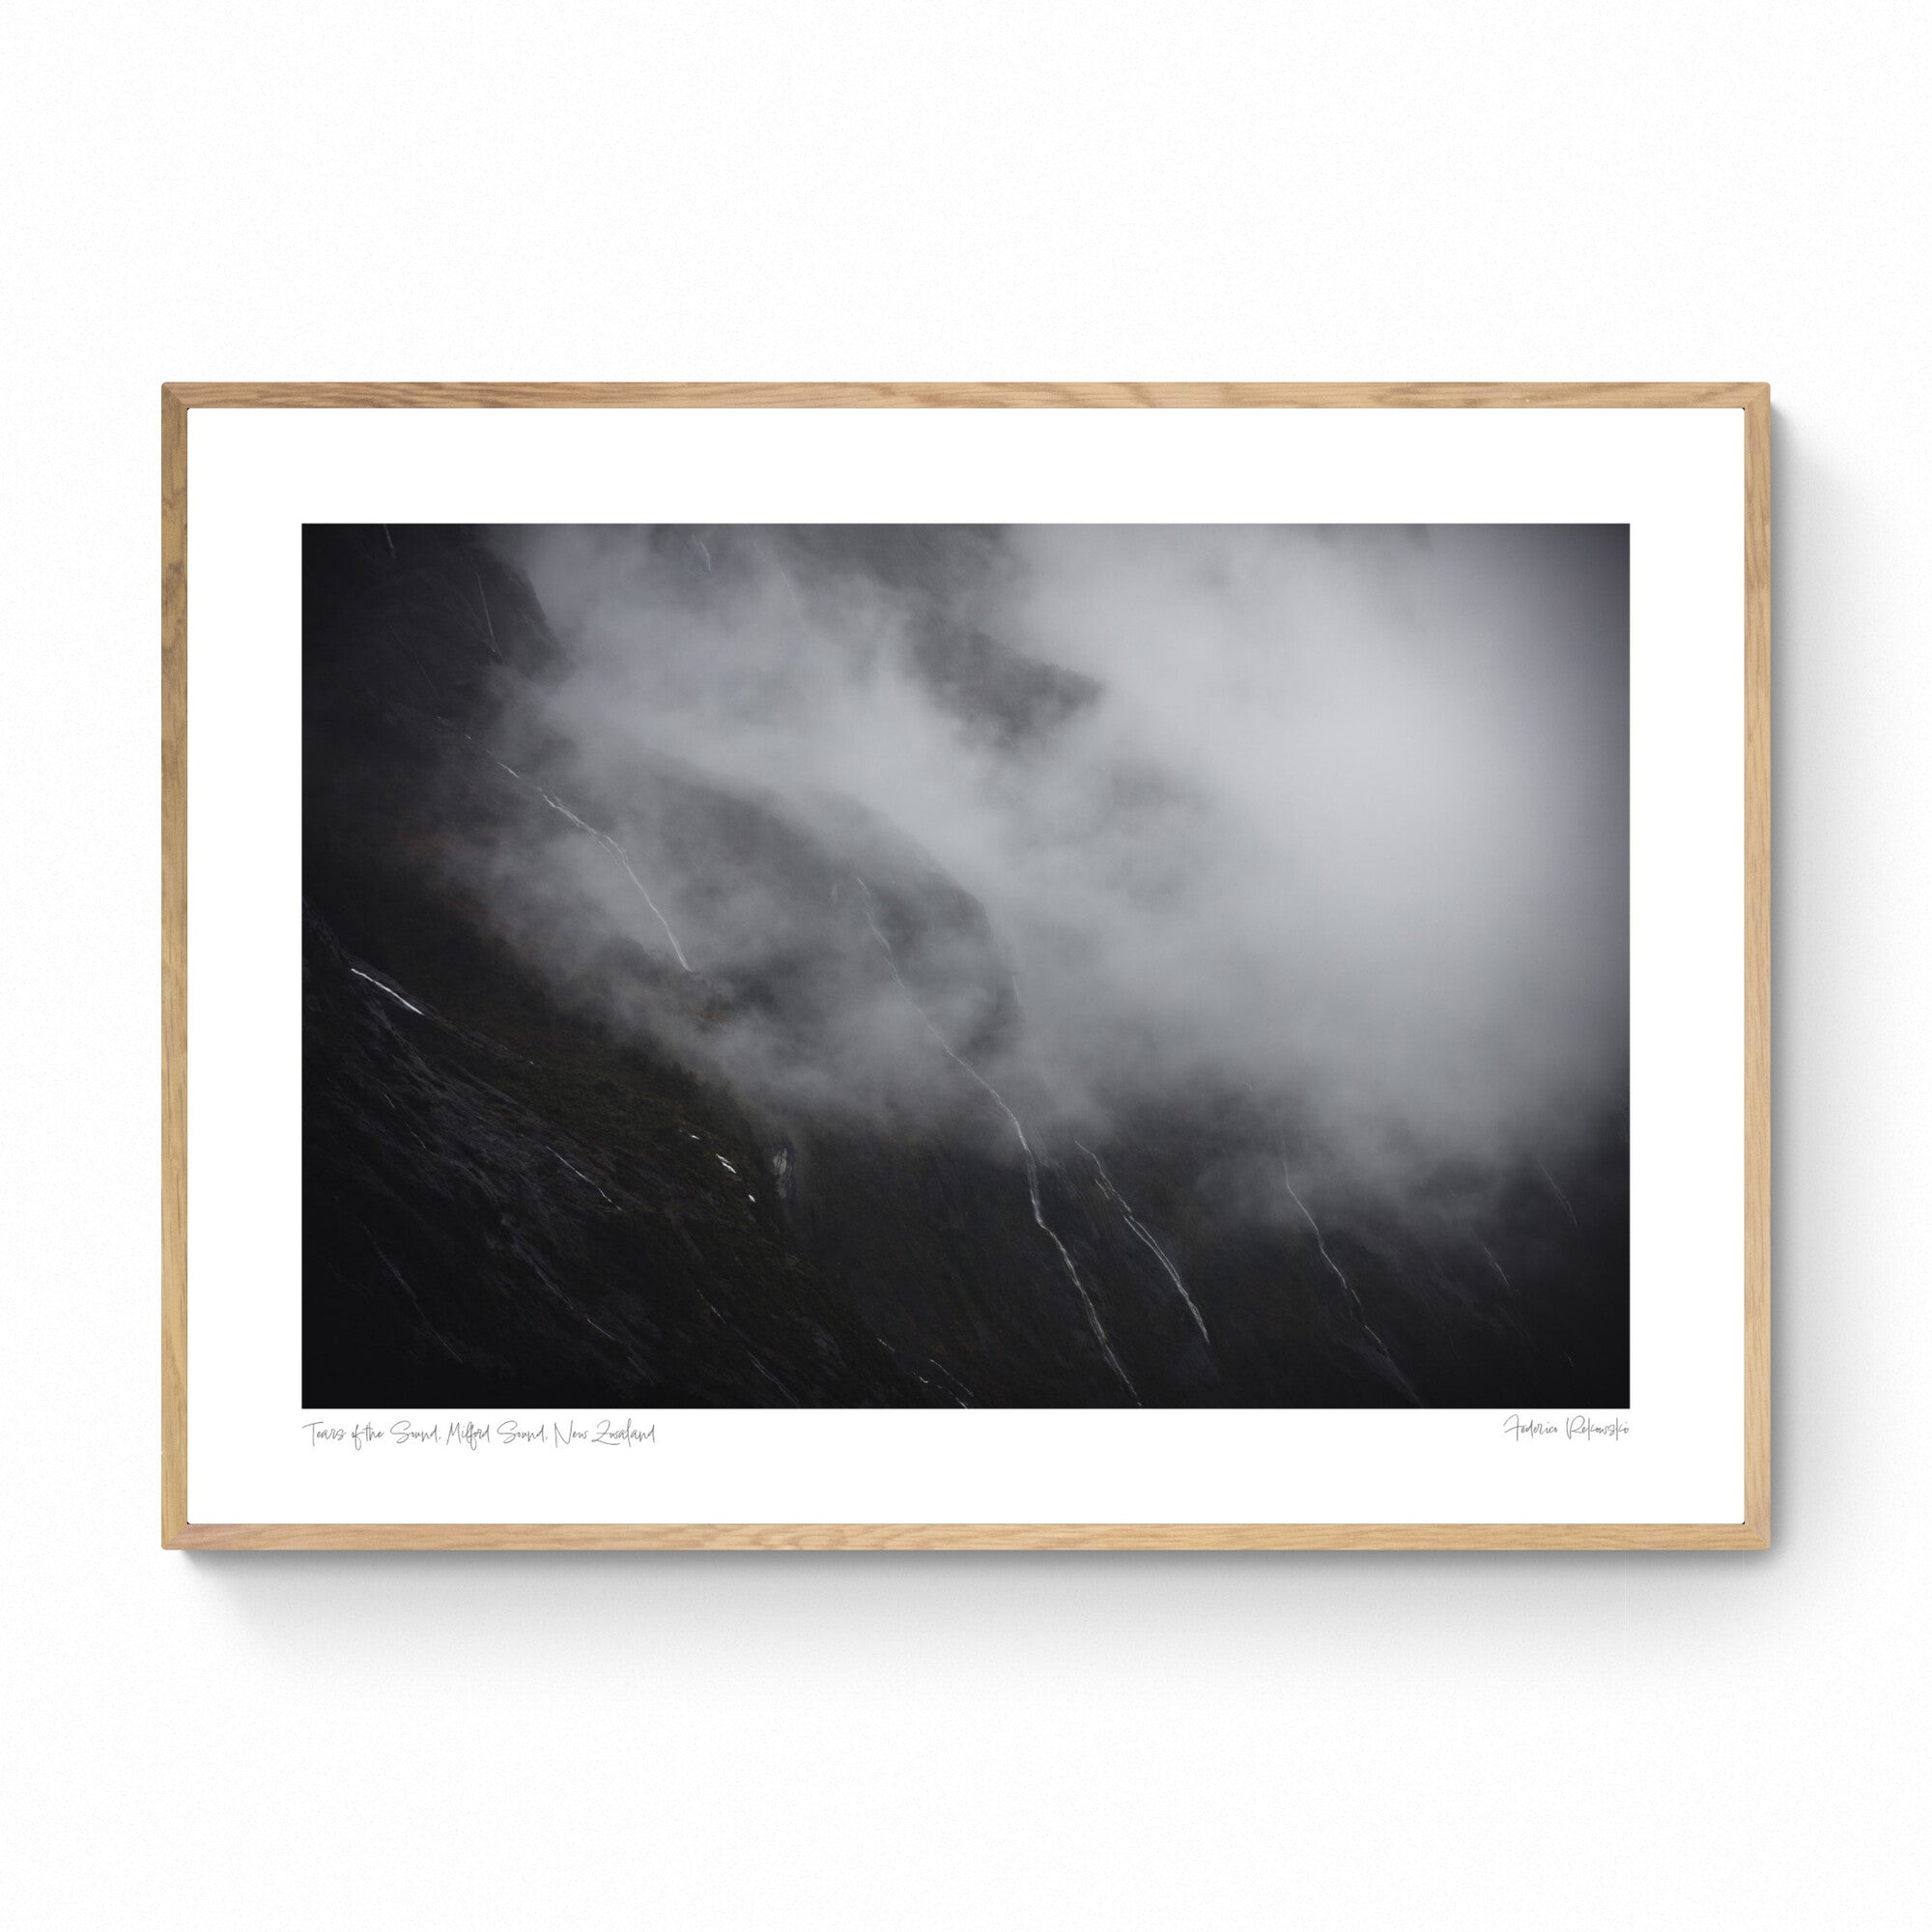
(1751, 1534)
(174, 968)
(1757, 964)
(967, 1536)
(963, 395)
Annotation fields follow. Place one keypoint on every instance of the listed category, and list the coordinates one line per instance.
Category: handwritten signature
(1572, 1429)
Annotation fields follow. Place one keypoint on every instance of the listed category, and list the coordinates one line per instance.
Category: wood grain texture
(965, 395)
(174, 967)
(1754, 1532)
(1757, 966)
(984, 1536)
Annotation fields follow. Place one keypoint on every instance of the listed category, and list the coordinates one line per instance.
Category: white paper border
(1676, 476)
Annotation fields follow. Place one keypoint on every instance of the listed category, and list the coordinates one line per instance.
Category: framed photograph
(966, 966)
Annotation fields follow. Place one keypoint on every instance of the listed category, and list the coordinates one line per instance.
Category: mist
(1334, 818)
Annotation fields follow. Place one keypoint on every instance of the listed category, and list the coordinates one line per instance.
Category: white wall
(1398, 191)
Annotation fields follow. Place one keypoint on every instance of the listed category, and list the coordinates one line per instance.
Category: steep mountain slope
(555, 1151)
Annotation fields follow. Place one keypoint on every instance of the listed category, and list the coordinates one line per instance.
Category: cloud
(1335, 818)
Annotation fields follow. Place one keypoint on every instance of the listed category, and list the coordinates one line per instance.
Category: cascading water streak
(1348, 1287)
(1093, 1321)
(603, 837)
(1159, 1253)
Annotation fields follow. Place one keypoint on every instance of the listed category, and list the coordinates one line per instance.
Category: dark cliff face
(534, 1176)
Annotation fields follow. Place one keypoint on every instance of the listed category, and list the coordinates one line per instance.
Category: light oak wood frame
(1753, 399)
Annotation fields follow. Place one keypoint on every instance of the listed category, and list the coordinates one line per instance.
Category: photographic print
(905, 966)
